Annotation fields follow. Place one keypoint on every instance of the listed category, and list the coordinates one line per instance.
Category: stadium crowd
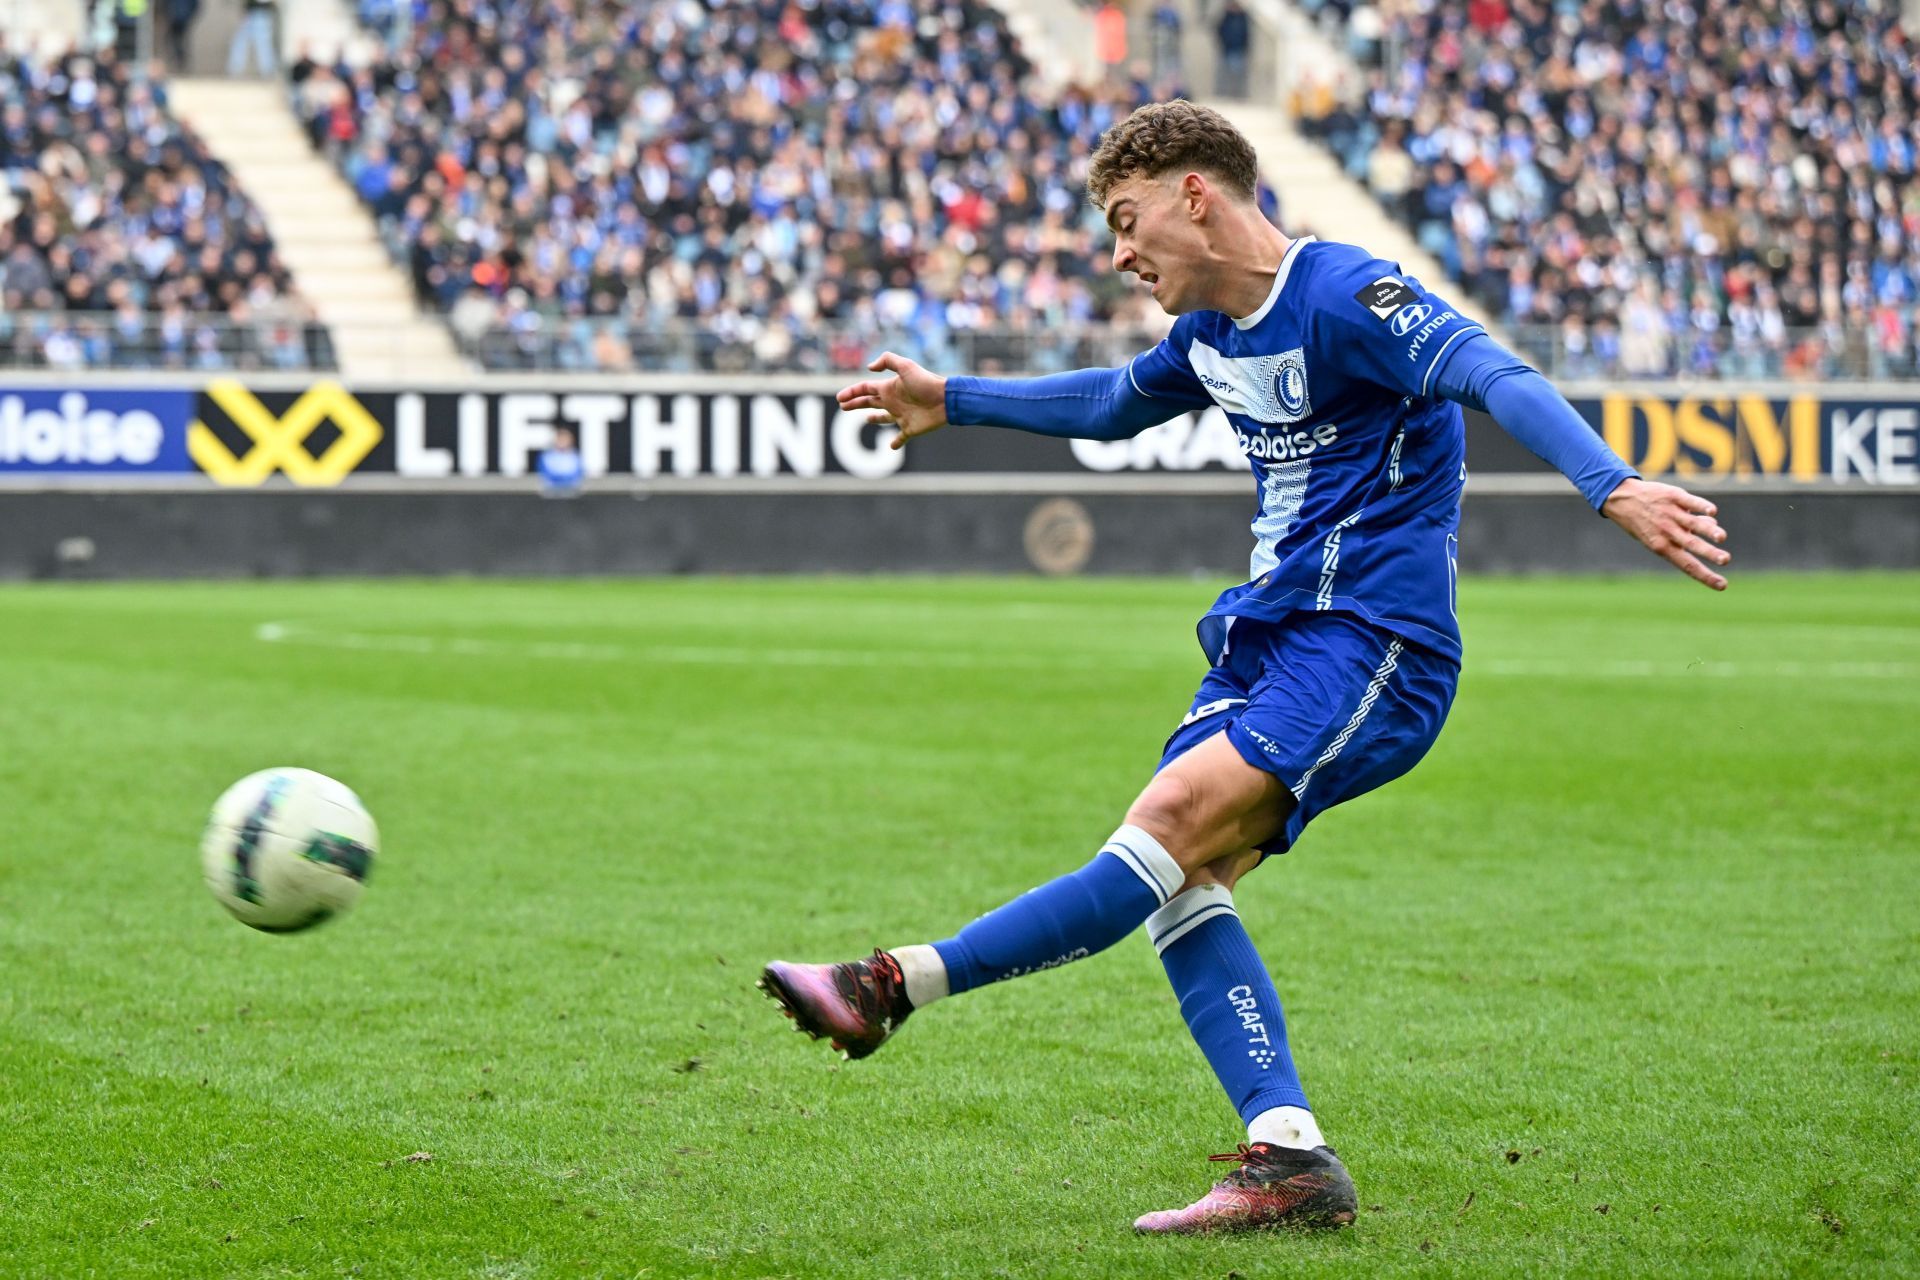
(1692, 187)
(123, 241)
(583, 184)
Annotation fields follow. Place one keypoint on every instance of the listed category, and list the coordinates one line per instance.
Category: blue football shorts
(1327, 703)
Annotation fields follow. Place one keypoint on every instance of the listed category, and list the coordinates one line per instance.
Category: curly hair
(1164, 136)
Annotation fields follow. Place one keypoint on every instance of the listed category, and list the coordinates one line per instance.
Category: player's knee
(1170, 810)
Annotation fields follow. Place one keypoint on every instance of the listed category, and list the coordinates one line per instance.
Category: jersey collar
(1279, 283)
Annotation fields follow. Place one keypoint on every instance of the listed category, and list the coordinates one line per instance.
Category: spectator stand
(123, 239)
(1720, 190)
(660, 185)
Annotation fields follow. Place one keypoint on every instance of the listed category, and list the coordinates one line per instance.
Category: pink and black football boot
(856, 1005)
(1275, 1188)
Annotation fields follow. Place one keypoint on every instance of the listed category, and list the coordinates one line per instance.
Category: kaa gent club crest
(1290, 385)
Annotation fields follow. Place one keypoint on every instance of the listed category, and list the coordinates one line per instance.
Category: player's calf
(858, 1004)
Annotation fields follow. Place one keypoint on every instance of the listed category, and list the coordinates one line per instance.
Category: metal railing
(83, 340)
(1827, 354)
(93, 341)
(605, 345)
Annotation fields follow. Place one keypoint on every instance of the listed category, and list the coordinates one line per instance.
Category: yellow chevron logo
(280, 443)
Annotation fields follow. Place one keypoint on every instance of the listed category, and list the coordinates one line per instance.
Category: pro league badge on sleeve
(1385, 296)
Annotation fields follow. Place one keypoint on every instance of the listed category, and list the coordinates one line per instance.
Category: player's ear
(1195, 195)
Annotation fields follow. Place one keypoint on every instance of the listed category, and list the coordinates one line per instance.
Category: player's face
(1154, 238)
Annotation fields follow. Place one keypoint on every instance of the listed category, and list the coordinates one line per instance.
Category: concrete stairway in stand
(43, 26)
(1317, 196)
(1057, 36)
(324, 27)
(324, 234)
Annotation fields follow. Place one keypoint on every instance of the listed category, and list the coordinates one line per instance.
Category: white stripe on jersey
(1330, 560)
(1283, 488)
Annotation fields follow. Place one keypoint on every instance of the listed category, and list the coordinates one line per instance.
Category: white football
(288, 848)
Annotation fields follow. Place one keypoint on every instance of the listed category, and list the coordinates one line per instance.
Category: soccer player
(1333, 666)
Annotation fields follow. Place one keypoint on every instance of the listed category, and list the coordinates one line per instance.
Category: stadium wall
(168, 477)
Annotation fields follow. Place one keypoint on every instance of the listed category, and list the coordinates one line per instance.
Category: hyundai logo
(1406, 318)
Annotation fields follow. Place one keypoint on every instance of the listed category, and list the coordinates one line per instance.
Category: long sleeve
(1481, 374)
(1086, 404)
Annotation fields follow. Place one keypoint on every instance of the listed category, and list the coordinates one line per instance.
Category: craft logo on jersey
(1290, 384)
(1403, 322)
(1385, 296)
(1269, 389)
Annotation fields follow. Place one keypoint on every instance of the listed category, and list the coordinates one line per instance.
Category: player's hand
(913, 399)
(1675, 525)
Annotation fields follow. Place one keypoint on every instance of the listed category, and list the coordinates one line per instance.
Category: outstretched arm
(1675, 525)
(1086, 404)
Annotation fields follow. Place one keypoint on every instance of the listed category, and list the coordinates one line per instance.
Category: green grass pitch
(1624, 979)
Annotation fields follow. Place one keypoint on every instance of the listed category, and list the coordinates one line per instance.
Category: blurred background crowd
(568, 181)
(122, 241)
(1697, 188)
(1714, 186)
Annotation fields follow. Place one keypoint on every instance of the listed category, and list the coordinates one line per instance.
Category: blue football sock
(1065, 919)
(1227, 999)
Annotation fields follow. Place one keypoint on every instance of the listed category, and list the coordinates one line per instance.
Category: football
(287, 849)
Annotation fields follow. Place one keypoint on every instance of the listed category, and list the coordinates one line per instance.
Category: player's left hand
(1675, 525)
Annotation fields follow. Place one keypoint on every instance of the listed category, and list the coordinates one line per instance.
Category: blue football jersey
(1358, 465)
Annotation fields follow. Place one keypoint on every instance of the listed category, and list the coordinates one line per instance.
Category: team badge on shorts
(1290, 384)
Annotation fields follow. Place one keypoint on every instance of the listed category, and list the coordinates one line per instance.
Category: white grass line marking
(1627, 669)
(741, 655)
(290, 633)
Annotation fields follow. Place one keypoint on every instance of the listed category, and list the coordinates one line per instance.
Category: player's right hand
(913, 399)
